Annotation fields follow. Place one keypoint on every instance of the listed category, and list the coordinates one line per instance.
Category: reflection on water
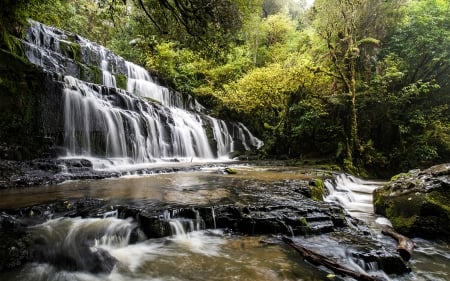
(204, 187)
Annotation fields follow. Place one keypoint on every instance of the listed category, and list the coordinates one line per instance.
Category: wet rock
(15, 243)
(417, 202)
(284, 212)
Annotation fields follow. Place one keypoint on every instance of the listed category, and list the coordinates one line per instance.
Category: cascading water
(354, 194)
(141, 123)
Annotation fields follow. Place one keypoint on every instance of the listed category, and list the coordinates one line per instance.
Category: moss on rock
(418, 202)
(317, 188)
(121, 81)
(21, 88)
(71, 50)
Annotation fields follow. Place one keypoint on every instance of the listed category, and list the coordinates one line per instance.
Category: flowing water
(430, 261)
(193, 253)
(140, 123)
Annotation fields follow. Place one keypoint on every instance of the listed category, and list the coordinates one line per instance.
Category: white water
(430, 259)
(352, 193)
(103, 121)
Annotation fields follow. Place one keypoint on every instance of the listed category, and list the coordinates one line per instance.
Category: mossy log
(318, 259)
(405, 245)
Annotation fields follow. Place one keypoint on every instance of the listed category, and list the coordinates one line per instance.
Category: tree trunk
(318, 259)
(405, 245)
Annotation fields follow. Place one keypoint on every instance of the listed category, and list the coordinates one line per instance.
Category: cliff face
(25, 99)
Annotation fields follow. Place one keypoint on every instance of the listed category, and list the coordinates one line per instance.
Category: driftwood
(405, 245)
(318, 259)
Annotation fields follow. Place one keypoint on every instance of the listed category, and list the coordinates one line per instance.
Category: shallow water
(213, 254)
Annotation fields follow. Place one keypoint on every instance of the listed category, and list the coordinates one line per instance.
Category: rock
(417, 202)
(15, 243)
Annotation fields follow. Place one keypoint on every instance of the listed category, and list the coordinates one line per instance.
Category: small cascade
(213, 215)
(223, 137)
(141, 122)
(81, 244)
(109, 80)
(141, 84)
(354, 194)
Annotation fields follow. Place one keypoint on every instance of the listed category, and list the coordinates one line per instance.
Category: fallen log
(405, 245)
(318, 259)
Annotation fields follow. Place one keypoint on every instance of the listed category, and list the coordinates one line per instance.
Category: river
(210, 254)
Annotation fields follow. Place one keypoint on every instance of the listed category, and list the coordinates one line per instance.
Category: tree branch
(318, 259)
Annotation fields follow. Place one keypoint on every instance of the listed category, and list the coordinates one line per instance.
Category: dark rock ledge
(53, 171)
(302, 217)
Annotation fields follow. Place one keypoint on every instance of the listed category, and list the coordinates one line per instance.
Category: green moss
(400, 176)
(90, 74)
(71, 50)
(403, 210)
(21, 85)
(317, 190)
(402, 224)
(230, 171)
(303, 221)
(439, 199)
(98, 75)
(121, 81)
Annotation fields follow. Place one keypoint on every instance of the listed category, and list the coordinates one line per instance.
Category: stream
(208, 254)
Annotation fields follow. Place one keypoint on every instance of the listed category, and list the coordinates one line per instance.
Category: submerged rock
(418, 202)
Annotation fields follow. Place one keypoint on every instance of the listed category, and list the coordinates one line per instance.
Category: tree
(336, 22)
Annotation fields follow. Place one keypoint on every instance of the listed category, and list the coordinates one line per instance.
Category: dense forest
(363, 83)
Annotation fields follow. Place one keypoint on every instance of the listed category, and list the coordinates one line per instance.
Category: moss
(90, 74)
(317, 190)
(20, 89)
(439, 199)
(403, 224)
(230, 171)
(71, 50)
(403, 210)
(121, 81)
(97, 75)
(400, 176)
(303, 221)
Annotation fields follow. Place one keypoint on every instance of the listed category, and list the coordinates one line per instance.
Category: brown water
(202, 254)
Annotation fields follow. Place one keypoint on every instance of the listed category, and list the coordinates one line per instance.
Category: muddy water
(208, 254)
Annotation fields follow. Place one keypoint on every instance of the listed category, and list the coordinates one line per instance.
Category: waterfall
(355, 196)
(115, 109)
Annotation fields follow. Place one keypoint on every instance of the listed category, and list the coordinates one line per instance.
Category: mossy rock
(70, 50)
(418, 202)
(230, 171)
(121, 81)
(22, 88)
(317, 189)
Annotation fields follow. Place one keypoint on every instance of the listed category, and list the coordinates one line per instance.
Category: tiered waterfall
(112, 108)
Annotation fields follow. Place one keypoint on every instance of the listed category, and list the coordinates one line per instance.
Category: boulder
(417, 202)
